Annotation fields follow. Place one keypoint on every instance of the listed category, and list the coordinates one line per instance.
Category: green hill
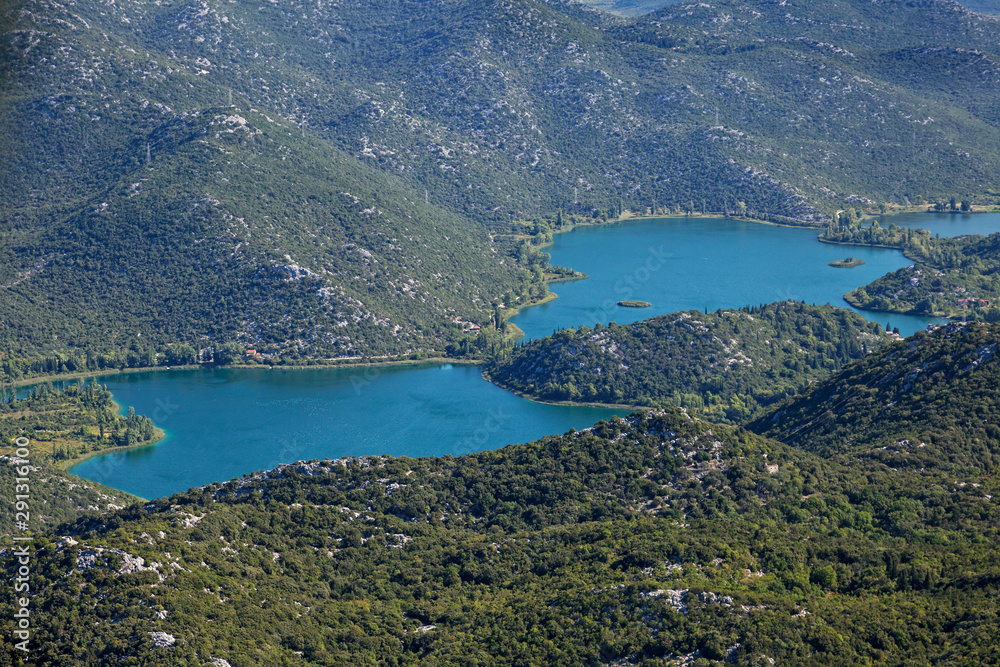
(957, 277)
(654, 537)
(170, 165)
(921, 403)
(727, 365)
(61, 425)
(871, 536)
(286, 245)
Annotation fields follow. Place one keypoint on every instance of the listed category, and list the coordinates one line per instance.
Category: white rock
(162, 639)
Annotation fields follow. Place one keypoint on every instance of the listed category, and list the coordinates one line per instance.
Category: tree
(180, 353)
(228, 353)
(824, 577)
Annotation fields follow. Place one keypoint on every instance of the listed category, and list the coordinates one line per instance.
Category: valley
(507, 332)
(216, 174)
(281, 414)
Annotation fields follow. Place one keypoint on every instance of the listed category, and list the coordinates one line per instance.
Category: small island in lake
(848, 263)
(634, 304)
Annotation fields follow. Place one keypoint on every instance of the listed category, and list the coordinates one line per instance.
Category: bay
(947, 224)
(707, 264)
(224, 423)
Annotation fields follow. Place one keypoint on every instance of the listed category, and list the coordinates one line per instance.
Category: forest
(352, 181)
(726, 366)
(954, 277)
(357, 182)
(67, 423)
(650, 538)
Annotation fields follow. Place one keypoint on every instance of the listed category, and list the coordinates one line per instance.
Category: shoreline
(910, 313)
(682, 217)
(551, 296)
(566, 279)
(548, 298)
(578, 404)
(512, 312)
(80, 375)
(42, 379)
(393, 361)
(925, 208)
(158, 436)
(863, 245)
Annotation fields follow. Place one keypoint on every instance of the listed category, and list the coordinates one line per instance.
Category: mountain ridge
(490, 115)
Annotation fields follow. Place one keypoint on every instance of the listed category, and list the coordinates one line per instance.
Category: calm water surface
(948, 224)
(681, 264)
(224, 423)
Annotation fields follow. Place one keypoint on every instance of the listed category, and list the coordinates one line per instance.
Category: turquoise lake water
(948, 224)
(679, 264)
(223, 423)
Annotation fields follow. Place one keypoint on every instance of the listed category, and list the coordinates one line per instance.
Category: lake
(698, 264)
(223, 423)
(947, 224)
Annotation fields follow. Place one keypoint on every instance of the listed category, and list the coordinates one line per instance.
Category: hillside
(286, 246)
(728, 365)
(919, 404)
(65, 424)
(957, 277)
(653, 537)
(870, 536)
(345, 180)
(60, 497)
(61, 425)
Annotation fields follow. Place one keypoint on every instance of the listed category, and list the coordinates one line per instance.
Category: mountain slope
(957, 277)
(284, 244)
(135, 223)
(653, 537)
(453, 120)
(925, 402)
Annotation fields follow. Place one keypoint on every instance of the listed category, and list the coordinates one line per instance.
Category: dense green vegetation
(850, 229)
(921, 403)
(847, 263)
(956, 277)
(347, 181)
(180, 267)
(371, 180)
(726, 365)
(656, 536)
(57, 496)
(62, 425)
(633, 303)
(65, 424)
